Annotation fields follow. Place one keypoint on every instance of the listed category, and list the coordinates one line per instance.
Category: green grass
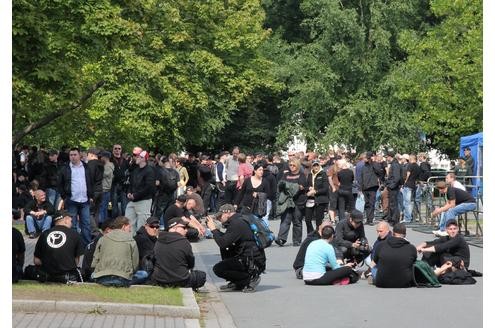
(96, 293)
(19, 226)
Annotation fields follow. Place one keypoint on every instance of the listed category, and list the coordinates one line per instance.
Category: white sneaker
(440, 233)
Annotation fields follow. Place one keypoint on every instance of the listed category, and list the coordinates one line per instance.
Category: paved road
(283, 301)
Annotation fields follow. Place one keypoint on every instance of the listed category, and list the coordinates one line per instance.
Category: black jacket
(272, 183)
(238, 240)
(121, 165)
(64, 182)
(346, 235)
(321, 186)
(394, 259)
(50, 175)
(369, 176)
(457, 246)
(394, 175)
(142, 183)
(145, 243)
(173, 259)
(96, 174)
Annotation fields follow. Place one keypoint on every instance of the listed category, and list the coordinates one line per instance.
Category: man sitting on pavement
(383, 231)
(351, 239)
(242, 260)
(320, 262)
(458, 202)
(57, 252)
(442, 249)
(174, 258)
(116, 257)
(39, 212)
(394, 259)
(145, 239)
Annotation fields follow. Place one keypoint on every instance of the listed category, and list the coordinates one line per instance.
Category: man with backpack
(242, 260)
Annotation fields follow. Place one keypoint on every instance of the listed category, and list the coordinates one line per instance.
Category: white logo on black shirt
(56, 239)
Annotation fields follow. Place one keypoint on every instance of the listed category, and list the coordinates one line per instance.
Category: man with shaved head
(39, 214)
(383, 232)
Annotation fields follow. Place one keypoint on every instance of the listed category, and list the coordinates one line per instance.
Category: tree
(167, 73)
(443, 74)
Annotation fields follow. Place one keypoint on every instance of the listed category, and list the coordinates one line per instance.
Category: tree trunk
(49, 118)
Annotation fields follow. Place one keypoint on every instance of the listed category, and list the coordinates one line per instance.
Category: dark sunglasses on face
(154, 226)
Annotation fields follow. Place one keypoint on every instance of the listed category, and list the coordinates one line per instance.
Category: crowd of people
(133, 215)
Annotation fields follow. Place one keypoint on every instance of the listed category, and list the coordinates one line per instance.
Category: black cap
(391, 153)
(357, 216)
(105, 153)
(369, 154)
(175, 221)
(225, 208)
(60, 215)
(152, 220)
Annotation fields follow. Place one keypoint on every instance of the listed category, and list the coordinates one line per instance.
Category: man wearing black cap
(394, 260)
(442, 249)
(174, 259)
(369, 183)
(57, 252)
(49, 178)
(393, 184)
(145, 239)
(350, 237)
(242, 260)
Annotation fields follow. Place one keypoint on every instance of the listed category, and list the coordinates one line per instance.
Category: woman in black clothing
(317, 196)
(346, 199)
(251, 189)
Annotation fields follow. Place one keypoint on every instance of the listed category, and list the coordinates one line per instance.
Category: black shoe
(255, 281)
(280, 242)
(296, 244)
(228, 287)
(248, 289)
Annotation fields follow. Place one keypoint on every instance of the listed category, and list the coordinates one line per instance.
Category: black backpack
(168, 181)
(424, 276)
(263, 236)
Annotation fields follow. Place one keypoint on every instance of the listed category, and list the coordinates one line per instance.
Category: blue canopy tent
(475, 143)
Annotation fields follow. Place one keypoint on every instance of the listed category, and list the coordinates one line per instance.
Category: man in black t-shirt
(57, 252)
(175, 210)
(409, 189)
(458, 202)
(452, 248)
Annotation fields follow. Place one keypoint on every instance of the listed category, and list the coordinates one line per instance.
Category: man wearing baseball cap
(141, 192)
(242, 260)
(57, 252)
(350, 238)
(174, 258)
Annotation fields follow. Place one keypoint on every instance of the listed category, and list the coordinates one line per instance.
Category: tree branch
(49, 118)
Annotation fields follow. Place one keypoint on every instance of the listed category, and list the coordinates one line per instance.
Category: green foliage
(443, 74)
(174, 72)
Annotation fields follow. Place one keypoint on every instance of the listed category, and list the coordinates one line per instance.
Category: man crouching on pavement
(242, 260)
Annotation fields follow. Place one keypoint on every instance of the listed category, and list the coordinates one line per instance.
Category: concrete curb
(190, 309)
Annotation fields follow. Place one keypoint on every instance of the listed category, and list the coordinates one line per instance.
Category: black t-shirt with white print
(57, 248)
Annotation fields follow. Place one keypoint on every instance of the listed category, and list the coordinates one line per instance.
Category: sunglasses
(155, 226)
(117, 148)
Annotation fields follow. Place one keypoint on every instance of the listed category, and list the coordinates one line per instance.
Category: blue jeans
(42, 224)
(452, 213)
(408, 203)
(53, 197)
(82, 225)
(105, 199)
(138, 277)
(400, 201)
(268, 209)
